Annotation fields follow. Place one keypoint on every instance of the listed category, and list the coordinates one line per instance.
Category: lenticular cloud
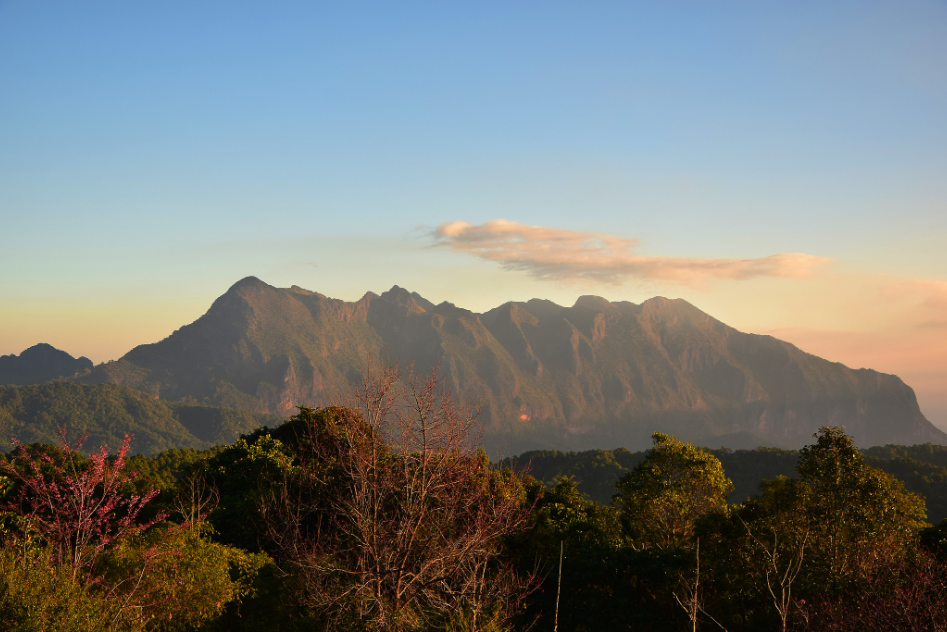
(552, 253)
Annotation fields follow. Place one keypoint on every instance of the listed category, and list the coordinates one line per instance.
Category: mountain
(35, 413)
(41, 363)
(594, 375)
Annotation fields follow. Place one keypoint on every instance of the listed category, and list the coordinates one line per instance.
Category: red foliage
(76, 505)
(893, 592)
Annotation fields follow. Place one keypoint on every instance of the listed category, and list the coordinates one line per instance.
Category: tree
(661, 498)
(607, 585)
(390, 518)
(35, 596)
(809, 547)
(79, 555)
(895, 592)
(850, 507)
(777, 535)
(76, 505)
(240, 475)
(189, 585)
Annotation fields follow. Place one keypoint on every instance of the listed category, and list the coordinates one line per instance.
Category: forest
(34, 414)
(385, 514)
(923, 468)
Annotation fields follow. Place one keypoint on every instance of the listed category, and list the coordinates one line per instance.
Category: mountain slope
(594, 375)
(35, 413)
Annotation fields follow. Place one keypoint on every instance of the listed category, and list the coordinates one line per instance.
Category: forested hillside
(107, 412)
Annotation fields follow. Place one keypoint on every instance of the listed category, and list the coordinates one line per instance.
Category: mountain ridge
(598, 374)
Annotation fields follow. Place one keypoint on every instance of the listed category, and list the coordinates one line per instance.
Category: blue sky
(153, 154)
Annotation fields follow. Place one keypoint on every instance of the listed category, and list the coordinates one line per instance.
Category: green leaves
(851, 507)
(662, 498)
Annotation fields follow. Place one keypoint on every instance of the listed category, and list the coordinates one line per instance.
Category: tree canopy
(664, 496)
(384, 515)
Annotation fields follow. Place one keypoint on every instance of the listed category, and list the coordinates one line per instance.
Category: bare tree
(393, 518)
(194, 499)
(782, 562)
(691, 597)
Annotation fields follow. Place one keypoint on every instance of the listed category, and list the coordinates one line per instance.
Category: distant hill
(594, 375)
(35, 413)
(41, 363)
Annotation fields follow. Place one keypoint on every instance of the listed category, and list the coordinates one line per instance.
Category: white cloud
(552, 253)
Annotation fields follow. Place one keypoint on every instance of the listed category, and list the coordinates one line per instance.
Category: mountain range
(598, 374)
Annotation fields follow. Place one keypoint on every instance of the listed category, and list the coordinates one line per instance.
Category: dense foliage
(923, 468)
(385, 516)
(664, 496)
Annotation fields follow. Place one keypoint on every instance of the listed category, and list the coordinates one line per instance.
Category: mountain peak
(41, 348)
(41, 363)
(592, 302)
(250, 282)
(398, 295)
(662, 304)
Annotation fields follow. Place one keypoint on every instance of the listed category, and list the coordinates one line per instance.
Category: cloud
(552, 253)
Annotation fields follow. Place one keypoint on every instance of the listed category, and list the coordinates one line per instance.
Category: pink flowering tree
(76, 505)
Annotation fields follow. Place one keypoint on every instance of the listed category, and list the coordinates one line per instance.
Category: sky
(782, 166)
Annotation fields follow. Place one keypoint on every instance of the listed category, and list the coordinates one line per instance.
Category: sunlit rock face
(594, 375)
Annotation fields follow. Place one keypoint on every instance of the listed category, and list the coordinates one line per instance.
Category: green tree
(824, 537)
(37, 596)
(190, 583)
(760, 551)
(663, 497)
(239, 475)
(607, 586)
(851, 507)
